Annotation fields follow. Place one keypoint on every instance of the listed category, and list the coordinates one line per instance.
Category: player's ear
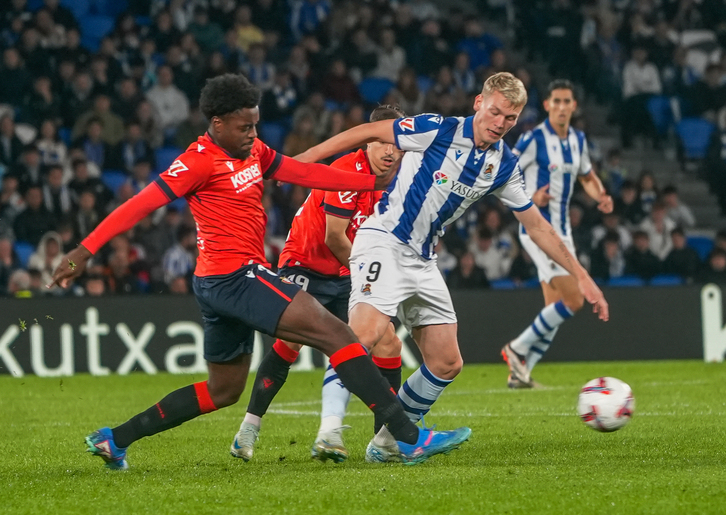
(477, 102)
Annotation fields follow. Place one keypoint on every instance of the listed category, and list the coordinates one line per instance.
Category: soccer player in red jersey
(315, 257)
(221, 176)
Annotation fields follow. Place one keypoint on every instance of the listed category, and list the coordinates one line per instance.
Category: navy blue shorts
(332, 292)
(236, 305)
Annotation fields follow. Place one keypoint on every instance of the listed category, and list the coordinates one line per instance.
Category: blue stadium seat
(23, 250)
(531, 283)
(659, 107)
(374, 89)
(93, 29)
(626, 280)
(109, 7)
(695, 135)
(701, 244)
(273, 134)
(165, 156)
(424, 83)
(113, 179)
(666, 280)
(79, 8)
(503, 284)
(64, 133)
(34, 5)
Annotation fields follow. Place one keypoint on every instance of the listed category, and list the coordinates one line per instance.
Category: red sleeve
(340, 203)
(126, 216)
(322, 177)
(186, 174)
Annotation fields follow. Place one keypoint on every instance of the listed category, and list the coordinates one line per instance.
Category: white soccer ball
(606, 404)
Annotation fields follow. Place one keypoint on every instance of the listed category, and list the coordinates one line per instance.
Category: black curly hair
(386, 112)
(226, 94)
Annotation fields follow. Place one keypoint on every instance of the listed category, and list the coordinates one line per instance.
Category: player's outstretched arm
(546, 238)
(323, 177)
(593, 186)
(120, 220)
(352, 138)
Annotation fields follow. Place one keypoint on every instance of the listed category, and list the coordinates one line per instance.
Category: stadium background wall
(154, 333)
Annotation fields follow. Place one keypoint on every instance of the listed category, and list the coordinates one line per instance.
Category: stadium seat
(34, 5)
(424, 83)
(531, 283)
(64, 133)
(626, 280)
(93, 29)
(695, 136)
(273, 134)
(701, 244)
(659, 107)
(503, 284)
(666, 280)
(109, 7)
(374, 89)
(165, 156)
(79, 8)
(113, 179)
(23, 250)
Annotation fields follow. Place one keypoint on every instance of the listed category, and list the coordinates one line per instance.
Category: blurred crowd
(98, 97)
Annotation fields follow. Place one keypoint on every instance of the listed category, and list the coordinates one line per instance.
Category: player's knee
(226, 395)
(575, 302)
(446, 368)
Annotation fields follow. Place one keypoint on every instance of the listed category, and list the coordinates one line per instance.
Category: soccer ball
(606, 404)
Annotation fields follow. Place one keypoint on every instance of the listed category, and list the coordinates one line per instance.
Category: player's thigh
(389, 345)
(368, 324)
(380, 276)
(546, 267)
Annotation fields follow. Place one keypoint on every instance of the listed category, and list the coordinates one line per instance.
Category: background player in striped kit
(551, 157)
(449, 164)
(315, 258)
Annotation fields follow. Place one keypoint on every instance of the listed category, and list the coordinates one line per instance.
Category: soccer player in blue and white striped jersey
(449, 164)
(552, 156)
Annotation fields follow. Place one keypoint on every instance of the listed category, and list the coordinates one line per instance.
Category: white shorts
(546, 268)
(392, 278)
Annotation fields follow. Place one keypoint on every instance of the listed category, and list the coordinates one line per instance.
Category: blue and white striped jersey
(547, 159)
(442, 174)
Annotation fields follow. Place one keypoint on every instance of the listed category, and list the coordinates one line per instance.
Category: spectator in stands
(523, 268)
(338, 86)
(47, 257)
(430, 51)
(611, 223)
(208, 34)
(301, 137)
(407, 93)
(640, 260)
(141, 174)
(179, 286)
(478, 44)
(41, 102)
(648, 191)
(278, 103)
(663, 44)
(179, 260)
(63, 79)
(37, 59)
(119, 277)
(445, 260)
(715, 269)
(708, 95)
(186, 68)
(127, 98)
(60, 14)
(191, 128)
(463, 75)
(51, 35)
(69, 240)
(247, 32)
(92, 143)
(9, 262)
(57, 197)
(130, 149)
(494, 259)
(11, 203)
(641, 81)
(359, 53)
(16, 79)
(168, 100)
(29, 168)
(72, 51)
(604, 58)
(163, 32)
(10, 145)
(391, 57)
(95, 285)
(676, 210)
(355, 116)
(102, 81)
(78, 99)
(150, 124)
(112, 124)
(86, 217)
(658, 227)
(613, 172)
(82, 181)
(629, 204)
(608, 259)
(307, 16)
(581, 235)
(682, 259)
(467, 275)
(52, 150)
(19, 285)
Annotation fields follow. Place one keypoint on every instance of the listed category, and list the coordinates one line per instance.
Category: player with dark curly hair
(220, 176)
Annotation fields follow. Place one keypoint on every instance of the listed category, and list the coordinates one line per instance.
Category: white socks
(536, 339)
(335, 401)
(420, 391)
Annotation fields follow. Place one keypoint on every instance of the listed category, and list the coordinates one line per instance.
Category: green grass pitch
(529, 452)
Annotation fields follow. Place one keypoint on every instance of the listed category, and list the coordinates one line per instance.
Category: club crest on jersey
(440, 178)
(286, 280)
(488, 172)
(406, 124)
(177, 167)
(366, 289)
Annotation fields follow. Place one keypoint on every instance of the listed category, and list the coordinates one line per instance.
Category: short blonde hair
(508, 85)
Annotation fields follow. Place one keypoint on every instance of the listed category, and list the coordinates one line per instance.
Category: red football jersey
(225, 197)
(305, 245)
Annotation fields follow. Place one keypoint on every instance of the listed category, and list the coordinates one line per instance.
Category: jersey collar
(552, 129)
(468, 132)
